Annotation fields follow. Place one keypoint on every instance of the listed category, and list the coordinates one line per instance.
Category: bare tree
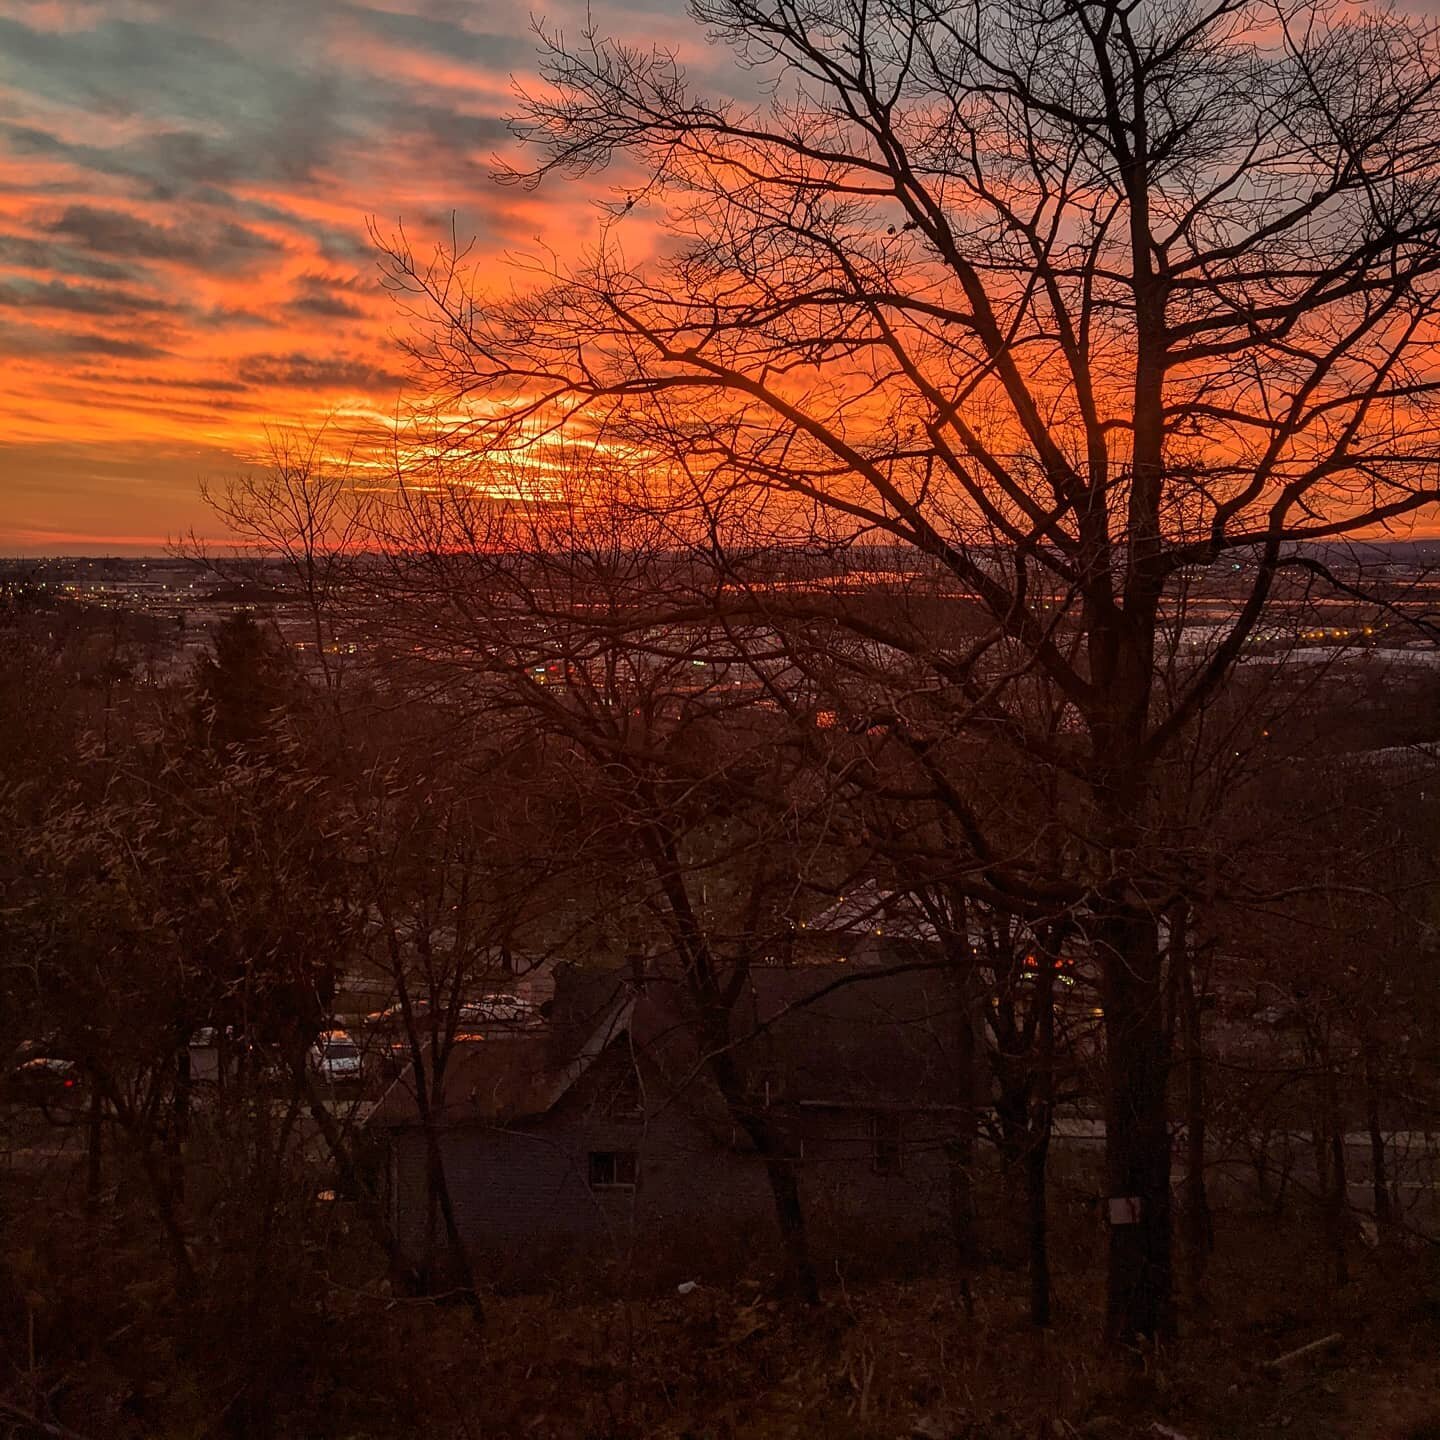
(301, 513)
(1071, 298)
(687, 802)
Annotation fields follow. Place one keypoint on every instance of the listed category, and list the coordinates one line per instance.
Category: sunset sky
(183, 246)
(184, 258)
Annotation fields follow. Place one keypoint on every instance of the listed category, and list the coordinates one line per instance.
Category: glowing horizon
(184, 256)
(184, 253)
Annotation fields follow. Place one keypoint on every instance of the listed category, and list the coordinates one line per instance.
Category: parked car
(393, 1016)
(35, 1077)
(486, 1010)
(335, 1057)
(498, 1009)
(385, 1040)
(388, 1044)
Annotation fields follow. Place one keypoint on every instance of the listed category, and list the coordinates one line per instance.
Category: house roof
(840, 1034)
(505, 1078)
(867, 909)
(812, 1035)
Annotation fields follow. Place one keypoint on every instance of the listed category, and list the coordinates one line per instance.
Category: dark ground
(304, 1342)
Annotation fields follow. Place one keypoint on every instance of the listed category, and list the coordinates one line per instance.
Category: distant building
(605, 1129)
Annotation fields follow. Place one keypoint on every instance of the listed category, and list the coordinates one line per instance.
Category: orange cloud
(184, 257)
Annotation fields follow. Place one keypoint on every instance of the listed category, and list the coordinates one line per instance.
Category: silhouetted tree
(245, 678)
(1071, 301)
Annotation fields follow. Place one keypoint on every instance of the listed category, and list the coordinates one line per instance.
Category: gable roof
(867, 909)
(812, 1035)
(503, 1079)
(837, 1034)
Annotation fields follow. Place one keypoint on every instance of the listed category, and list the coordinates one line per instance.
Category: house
(601, 1135)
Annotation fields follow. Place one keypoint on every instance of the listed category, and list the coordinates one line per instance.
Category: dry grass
(903, 1359)
(119, 1355)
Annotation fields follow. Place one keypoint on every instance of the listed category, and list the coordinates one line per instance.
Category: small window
(613, 1169)
(887, 1150)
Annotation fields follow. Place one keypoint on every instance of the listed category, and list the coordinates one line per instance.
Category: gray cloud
(445, 36)
(25, 252)
(78, 300)
(204, 384)
(244, 107)
(31, 341)
(448, 130)
(276, 112)
(221, 318)
(328, 307)
(325, 297)
(222, 247)
(77, 344)
(307, 372)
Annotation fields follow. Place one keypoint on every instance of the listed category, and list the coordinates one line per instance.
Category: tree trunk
(1037, 1226)
(713, 1020)
(1337, 1192)
(800, 1279)
(1320, 1144)
(960, 1157)
(1012, 1110)
(1338, 1204)
(94, 1148)
(178, 1136)
(1037, 1149)
(961, 1150)
(157, 1180)
(185, 1280)
(439, 1187)
(1379, 1173)
(350, 1176)
(252, 1414)
(428, 1088)
(1199, 1227)
(1139, 1299)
